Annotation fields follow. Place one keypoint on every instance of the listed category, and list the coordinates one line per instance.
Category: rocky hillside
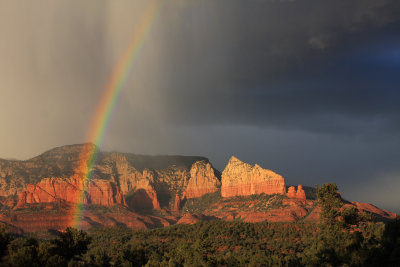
(146, 191)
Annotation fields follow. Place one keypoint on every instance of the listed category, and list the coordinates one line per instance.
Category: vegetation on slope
(342, 238)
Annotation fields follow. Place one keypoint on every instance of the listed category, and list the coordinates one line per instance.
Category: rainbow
(107, 104)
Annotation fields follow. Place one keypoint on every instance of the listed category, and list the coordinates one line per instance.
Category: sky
(307, 88)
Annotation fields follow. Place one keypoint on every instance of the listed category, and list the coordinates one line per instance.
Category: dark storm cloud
(289, 64)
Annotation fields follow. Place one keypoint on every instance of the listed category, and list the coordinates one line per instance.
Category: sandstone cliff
(137, 186)
(242, 179)
(70, 190)
(143, 194)
(150, 182)
(202, 180)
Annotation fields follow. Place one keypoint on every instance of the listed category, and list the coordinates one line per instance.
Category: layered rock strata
(242, 179)
(70, 190)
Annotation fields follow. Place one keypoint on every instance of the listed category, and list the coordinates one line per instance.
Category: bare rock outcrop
(299, 194)
(242, 179)
(177, 203)
(291, 192)
(70, 190)
(202, 180)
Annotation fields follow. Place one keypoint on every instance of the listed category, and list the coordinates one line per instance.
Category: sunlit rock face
(177, 203)
(291, 192)
(242, 179)
(299, 194)
(202, 180)
(70, 190)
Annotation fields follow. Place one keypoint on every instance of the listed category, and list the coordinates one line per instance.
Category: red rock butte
(242, 179)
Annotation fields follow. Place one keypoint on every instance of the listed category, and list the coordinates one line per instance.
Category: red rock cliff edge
(69, 190)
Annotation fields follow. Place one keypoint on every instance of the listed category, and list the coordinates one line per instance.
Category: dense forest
(343, 237)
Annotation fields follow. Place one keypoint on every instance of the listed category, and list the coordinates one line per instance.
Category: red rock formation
(144, 199)
(291, 192)
(177, 203)
(123, 173)
(154, 199)
(381, 214)
(144, 195)
(9, 201)
(56, 219)
(242, 179)
(104, 193)
(202, 180)
(188, 219)
(194, 218)
(289, 214)
(69, 190)
(131, 181)
(301, 195)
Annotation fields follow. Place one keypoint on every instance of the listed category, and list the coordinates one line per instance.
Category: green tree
(350, 216)
(23, 252)
(72, 243)
(330, 202)
(98, 257)
(135, 255)
(391, 243)
(5, 239)
(324, 249)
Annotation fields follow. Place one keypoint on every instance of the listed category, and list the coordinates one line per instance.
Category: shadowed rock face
(242, 179)
(143, 200)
